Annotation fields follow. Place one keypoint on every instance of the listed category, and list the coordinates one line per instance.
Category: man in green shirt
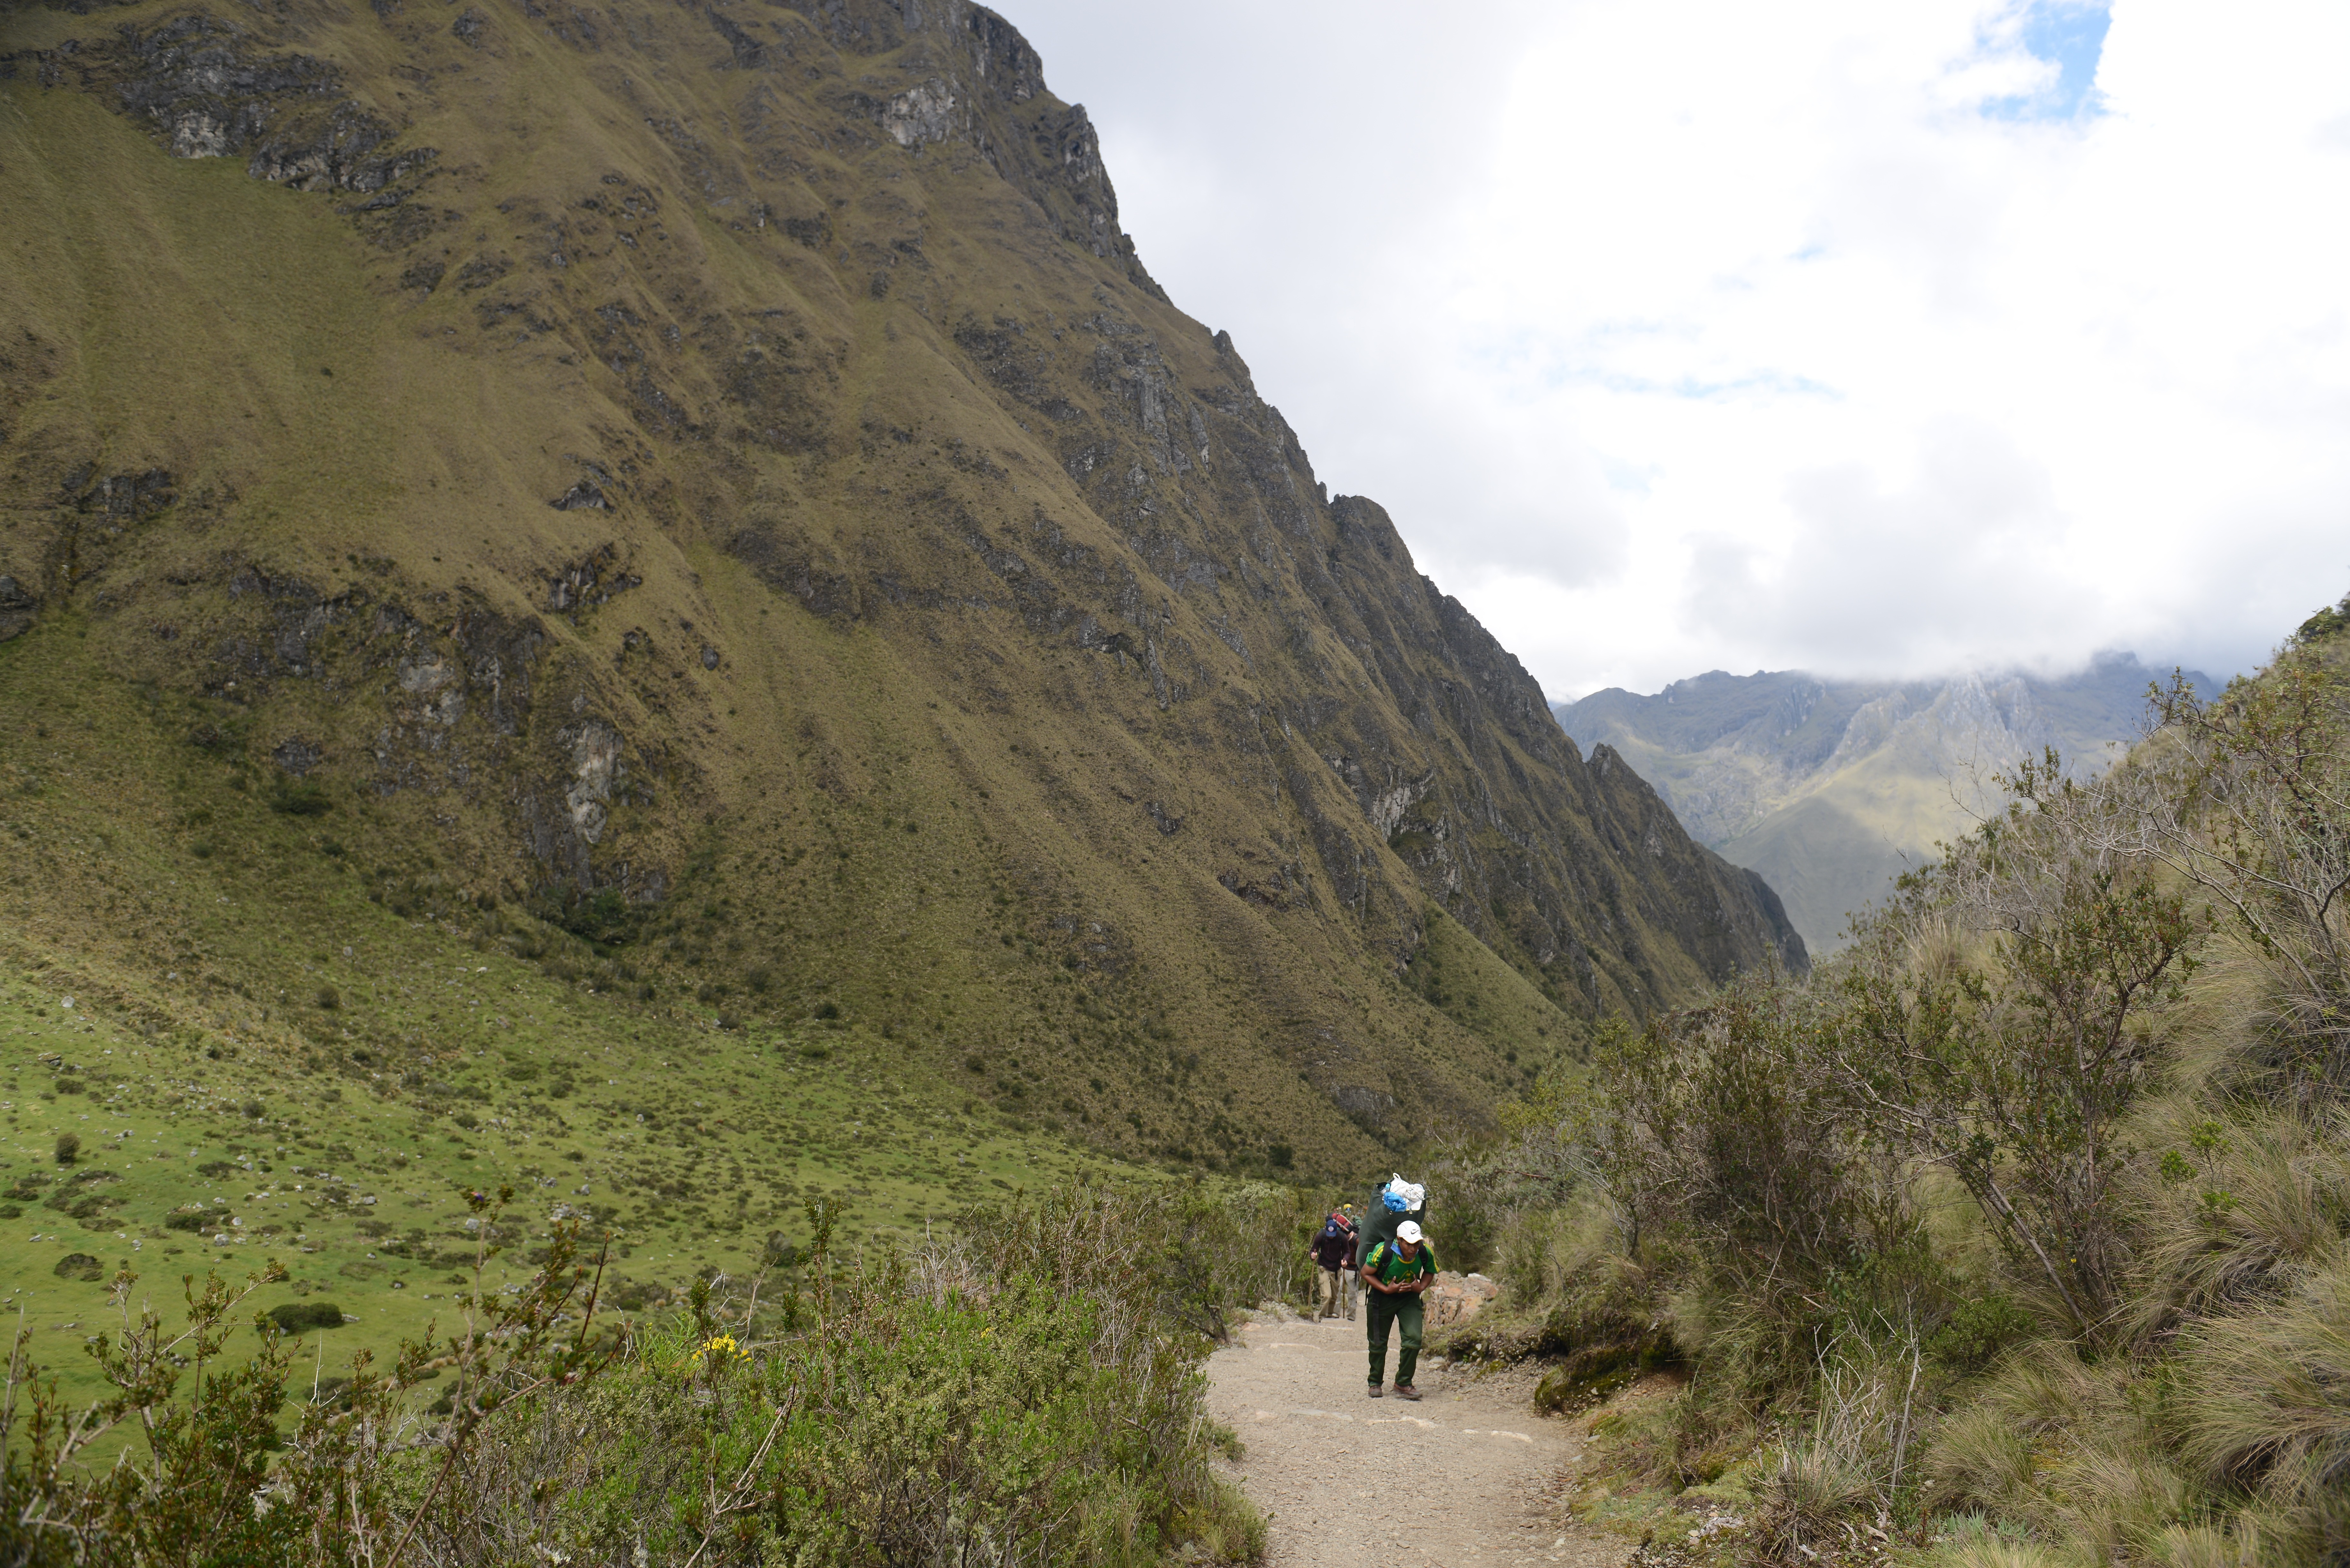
(1394, 1273)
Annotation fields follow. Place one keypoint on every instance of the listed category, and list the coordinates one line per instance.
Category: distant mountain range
(1830, 788)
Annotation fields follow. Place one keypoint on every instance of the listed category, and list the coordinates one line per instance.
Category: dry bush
(2264, 1399)
(2119, 1494)
(2205, 1546)
(1849, 1460)
(1980, 1458)
(1997, 1552)
(2232, 1211)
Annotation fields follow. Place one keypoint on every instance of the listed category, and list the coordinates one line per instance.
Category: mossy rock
(300, 1317)
(1598, 1366)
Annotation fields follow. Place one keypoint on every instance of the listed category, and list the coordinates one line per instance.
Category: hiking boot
(1405, 1391)
(1378, 1393)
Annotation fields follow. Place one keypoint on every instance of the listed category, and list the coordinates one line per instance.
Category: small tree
(189, 1496)
(2005, 1014)
(68, 1147)
(2245, 797)
(1719, 1121)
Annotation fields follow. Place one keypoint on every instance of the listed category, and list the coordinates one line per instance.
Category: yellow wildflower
(719, 1349)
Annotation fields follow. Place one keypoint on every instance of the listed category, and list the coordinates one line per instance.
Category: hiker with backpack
(1394, 1274)
(1397, 1265)
(1332, 1250)
(1396, 1202)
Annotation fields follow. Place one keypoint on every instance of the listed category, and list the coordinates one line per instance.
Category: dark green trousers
(1402, 1311)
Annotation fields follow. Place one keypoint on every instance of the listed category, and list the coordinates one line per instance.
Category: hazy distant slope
(1830, 788)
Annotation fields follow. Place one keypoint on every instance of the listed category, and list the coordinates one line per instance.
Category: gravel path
(1459, 1478)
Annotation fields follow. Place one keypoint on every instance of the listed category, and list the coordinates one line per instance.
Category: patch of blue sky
(1627, 478)
(1695, 389)
(1532, 360)
(2069, 35)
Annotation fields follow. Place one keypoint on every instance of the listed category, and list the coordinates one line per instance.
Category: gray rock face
(584, 585)
(17, 608)
(1003, 59)
(596, 770)
(583, 496)
(120, 495)
(433, 678)
(920, 114)
(747, 51)
(211, 93)
(295, 755)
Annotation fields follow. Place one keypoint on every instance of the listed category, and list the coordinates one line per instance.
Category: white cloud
(1844, 573)
(1843, 335)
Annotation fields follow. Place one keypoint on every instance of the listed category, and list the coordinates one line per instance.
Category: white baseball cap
(1409, 1232)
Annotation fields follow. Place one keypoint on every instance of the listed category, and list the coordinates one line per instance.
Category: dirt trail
(1458, 1477)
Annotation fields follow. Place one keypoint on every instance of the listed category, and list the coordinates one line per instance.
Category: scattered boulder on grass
(17, 608)
(635, 1295)
(1457, 1298)
(300, 1317)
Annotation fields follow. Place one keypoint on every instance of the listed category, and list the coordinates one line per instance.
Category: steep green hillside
(703, 515)
(1830, 789)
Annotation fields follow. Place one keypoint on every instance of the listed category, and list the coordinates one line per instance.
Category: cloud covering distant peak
(1853, 337)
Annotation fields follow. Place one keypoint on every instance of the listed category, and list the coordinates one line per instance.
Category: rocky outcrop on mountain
(763, 504)
(1830, 788)
(212, 90)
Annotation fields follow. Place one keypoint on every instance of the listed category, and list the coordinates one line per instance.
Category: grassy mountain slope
(704, 513)
(213, 1005)
(1830, 789)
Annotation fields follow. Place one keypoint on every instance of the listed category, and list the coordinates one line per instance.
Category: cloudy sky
(1840, 335)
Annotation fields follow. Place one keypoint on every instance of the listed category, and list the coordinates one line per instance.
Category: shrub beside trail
(2020, 1230)
(1028, 1392)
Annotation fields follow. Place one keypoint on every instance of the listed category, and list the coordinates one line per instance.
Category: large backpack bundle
(1380, 1220)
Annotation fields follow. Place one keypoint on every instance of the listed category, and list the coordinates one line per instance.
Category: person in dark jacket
(1354, 1268)
(1350, 1272)
(1330, 1249)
